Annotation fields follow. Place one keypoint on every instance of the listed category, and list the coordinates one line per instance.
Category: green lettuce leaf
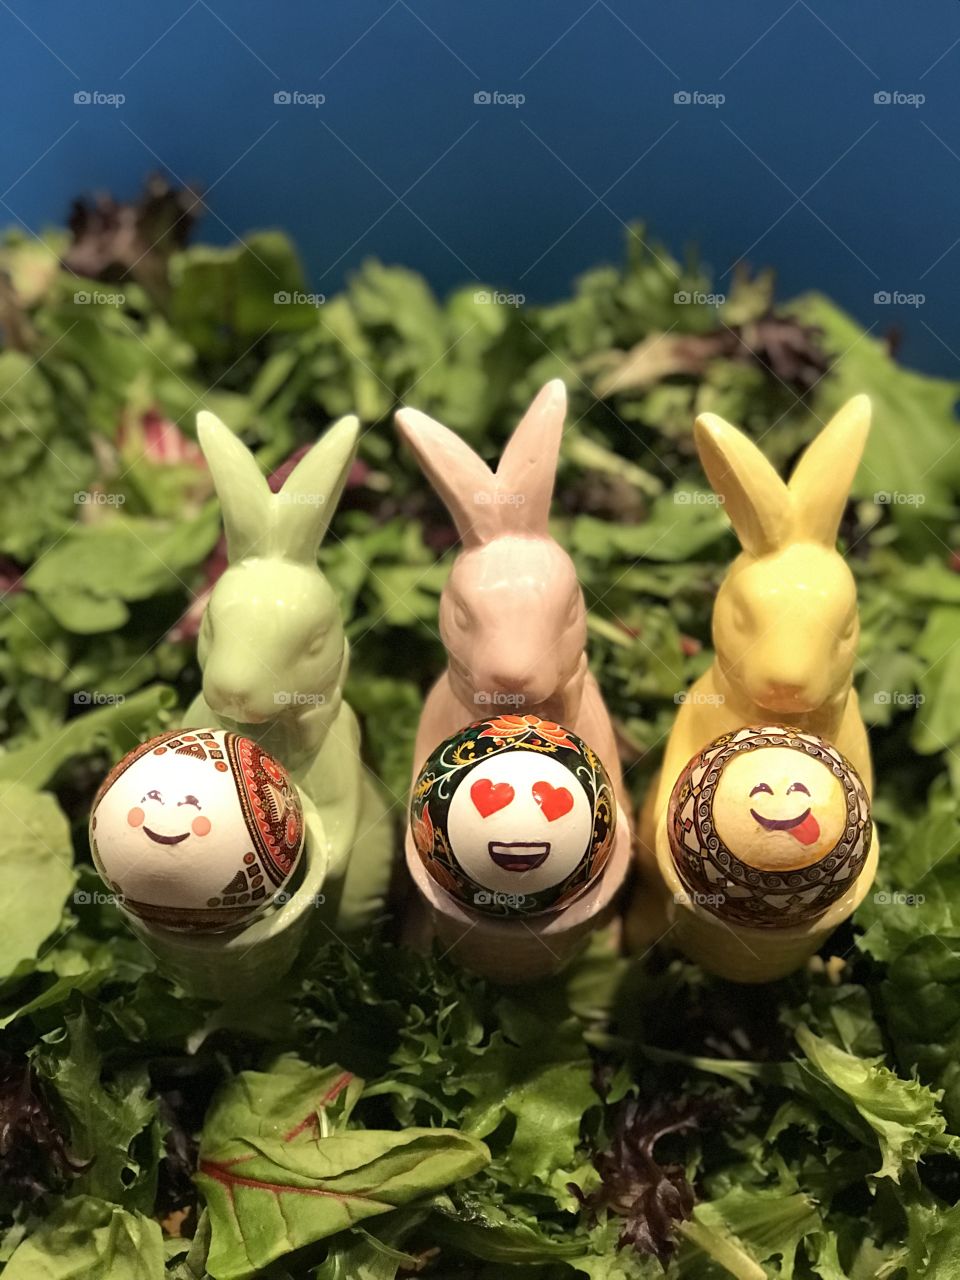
(866, 1097)
(279, 1170)
(37, 860)
(90, 1239)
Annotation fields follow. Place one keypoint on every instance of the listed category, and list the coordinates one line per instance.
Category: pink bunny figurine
(512, 614)
(514, 624)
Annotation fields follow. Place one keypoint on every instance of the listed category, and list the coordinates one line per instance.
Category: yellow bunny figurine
(785, 630)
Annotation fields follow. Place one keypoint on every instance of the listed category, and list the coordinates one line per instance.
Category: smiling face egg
(513, 815)
(197, 830)
(768, 826)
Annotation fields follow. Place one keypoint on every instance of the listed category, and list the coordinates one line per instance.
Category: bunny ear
(243, 492)
(821, 481)
(461, 477)
(755, 497)
(302, 510)
(528, 466)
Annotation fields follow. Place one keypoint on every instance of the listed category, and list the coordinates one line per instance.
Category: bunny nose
(235, 704)
(786, 697)
(511, 684)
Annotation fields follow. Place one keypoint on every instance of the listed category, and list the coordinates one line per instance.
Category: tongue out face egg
(768, 826)
(780, 809)
(197, 830)
(513, 815)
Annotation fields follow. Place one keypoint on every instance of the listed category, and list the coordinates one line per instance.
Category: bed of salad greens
(393, 1115)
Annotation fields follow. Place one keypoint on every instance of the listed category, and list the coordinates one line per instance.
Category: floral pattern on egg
(513, 816)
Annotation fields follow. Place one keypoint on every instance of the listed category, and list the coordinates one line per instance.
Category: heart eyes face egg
(513, 815)
(768, 826)
(197, 830)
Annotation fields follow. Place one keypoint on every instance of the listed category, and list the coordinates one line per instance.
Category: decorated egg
(197, 830)
(768, 826)
(513, 815)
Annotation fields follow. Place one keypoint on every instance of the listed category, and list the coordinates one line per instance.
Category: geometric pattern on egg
(197, 830)
(768, 826)
(513, 815)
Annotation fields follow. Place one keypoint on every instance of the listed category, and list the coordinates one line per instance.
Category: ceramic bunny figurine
(785, 623)
(512, 614)
(513, 621)
(274, 655)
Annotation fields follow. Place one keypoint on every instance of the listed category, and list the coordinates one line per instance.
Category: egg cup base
(250, 958)
(525, 949)
(738, 952)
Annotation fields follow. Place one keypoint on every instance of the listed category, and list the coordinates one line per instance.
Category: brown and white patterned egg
(768, 826)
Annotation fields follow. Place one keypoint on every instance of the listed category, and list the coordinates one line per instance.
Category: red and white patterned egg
(198, 829)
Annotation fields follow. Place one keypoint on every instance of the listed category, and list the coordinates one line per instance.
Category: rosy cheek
(135, 816)
(201, 826)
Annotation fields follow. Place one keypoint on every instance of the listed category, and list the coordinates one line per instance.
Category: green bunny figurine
(274, 658)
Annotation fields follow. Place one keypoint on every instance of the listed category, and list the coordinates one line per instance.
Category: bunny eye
(762, 786)
(798, 786)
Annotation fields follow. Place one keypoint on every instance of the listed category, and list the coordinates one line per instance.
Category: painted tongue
(806, 831)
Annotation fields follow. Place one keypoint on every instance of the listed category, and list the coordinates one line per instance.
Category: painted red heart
(489, 796)
(554, 801)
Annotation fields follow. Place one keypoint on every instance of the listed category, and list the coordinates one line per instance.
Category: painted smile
(780, 824)
(519, 855)
(155, 835)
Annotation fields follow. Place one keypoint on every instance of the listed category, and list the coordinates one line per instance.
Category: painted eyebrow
(797, 786)
(762, 786)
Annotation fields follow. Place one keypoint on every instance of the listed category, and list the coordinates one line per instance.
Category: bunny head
(785, 623)
(512, 615)
(272, 641)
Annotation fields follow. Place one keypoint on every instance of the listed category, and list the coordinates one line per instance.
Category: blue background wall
(799, 167)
